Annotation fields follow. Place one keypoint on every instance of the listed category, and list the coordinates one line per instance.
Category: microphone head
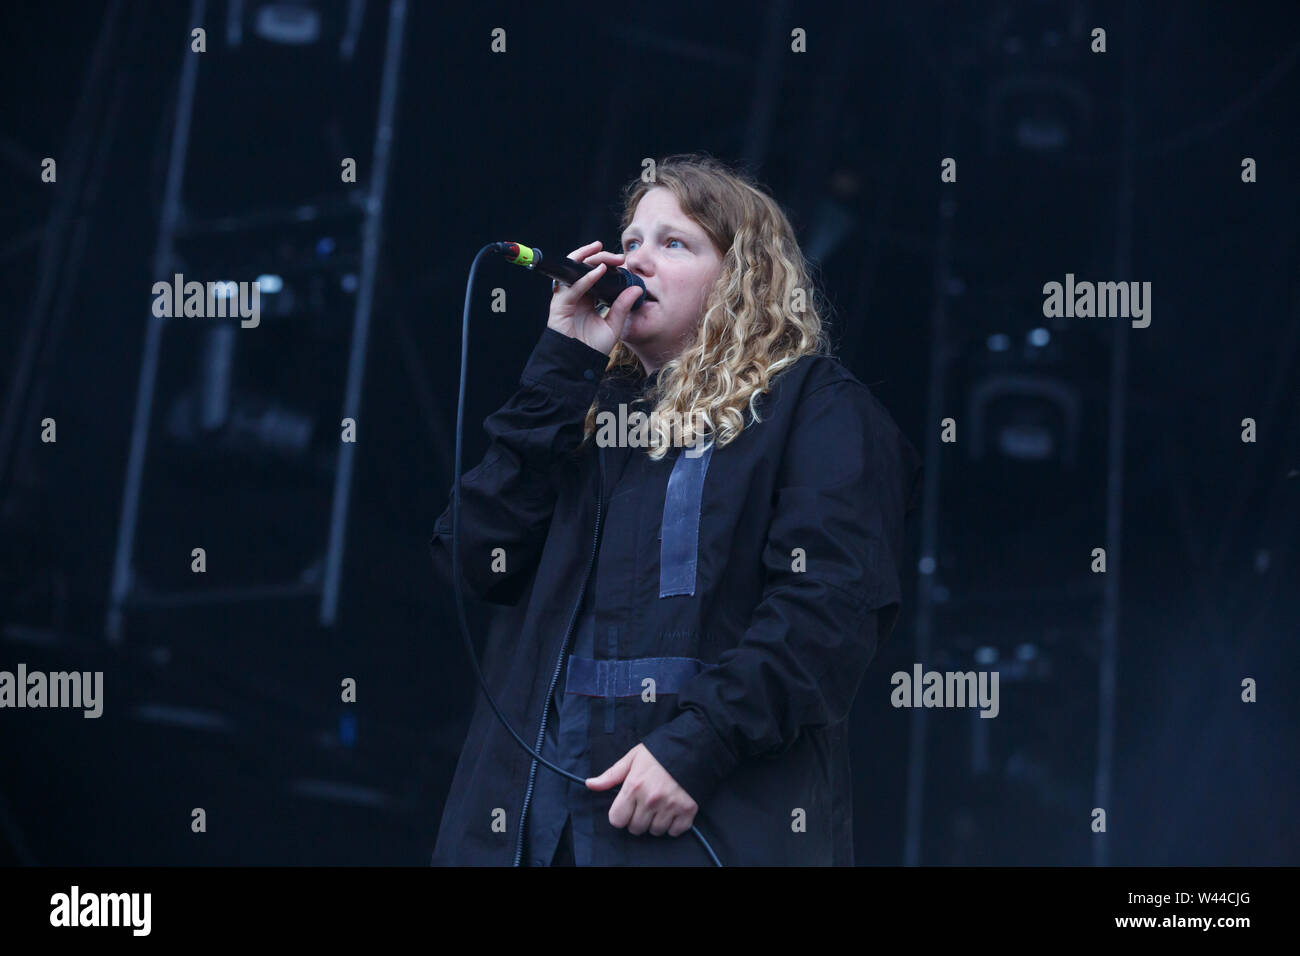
(632, 278)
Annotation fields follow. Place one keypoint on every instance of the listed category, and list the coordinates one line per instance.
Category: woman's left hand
(650, 798)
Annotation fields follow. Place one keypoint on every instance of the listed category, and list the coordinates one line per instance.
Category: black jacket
(784, 583)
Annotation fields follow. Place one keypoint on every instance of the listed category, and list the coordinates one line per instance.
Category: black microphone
(607, 288)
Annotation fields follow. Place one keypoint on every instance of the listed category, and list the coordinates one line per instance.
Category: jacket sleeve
(507, 500)
(848, 478)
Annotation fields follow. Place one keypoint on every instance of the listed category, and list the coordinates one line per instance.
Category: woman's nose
(637, 261)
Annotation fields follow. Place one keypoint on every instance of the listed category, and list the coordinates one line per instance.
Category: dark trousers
(563, 855)
(564, 852)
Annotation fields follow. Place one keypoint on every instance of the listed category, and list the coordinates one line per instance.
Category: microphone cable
(455, 547)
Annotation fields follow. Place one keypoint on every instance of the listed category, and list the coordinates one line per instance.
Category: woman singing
(698, 512)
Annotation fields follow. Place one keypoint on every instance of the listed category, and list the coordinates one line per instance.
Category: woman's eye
(674, 240)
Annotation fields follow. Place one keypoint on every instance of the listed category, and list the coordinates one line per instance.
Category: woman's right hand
(573, 311)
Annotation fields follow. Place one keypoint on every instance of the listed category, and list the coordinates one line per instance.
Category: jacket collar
(623, 387)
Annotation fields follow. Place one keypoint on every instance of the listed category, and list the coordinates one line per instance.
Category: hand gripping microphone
(607, 288)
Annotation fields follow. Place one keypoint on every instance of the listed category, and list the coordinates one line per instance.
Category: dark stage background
(1121, 691)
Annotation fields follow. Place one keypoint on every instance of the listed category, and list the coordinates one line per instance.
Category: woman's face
(679, 265)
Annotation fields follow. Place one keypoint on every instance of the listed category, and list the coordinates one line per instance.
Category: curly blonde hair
(761, 316)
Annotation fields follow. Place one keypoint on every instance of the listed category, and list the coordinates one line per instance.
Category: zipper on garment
(555, 674)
